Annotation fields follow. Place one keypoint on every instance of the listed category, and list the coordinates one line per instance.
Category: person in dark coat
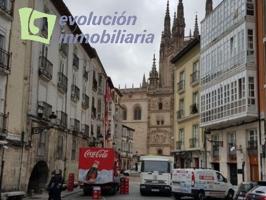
(55, 185)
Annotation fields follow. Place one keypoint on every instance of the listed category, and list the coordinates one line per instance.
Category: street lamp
(3, 145)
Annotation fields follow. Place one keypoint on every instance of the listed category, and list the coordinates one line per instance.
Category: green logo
(29, 30)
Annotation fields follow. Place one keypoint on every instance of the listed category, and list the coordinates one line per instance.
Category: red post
(126, 185)
(70, 182)
(96, 193)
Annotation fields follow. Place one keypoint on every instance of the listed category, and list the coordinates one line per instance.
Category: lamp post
(3, 146)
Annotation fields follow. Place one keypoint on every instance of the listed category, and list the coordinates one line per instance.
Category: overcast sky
(125, 63)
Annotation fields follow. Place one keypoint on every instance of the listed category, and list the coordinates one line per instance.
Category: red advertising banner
(96, 165)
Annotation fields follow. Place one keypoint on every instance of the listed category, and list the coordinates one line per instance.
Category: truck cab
(155, 174)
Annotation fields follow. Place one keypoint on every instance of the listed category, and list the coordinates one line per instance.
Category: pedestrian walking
(55, 185)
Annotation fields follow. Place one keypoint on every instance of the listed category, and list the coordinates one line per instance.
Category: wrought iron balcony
(94, 85)
(75, 61)
(193, 142)
(181, 86)
(45, 68)
(61, 119)
(194, 109)
(4, 60)
(62, 82)
(44, 110)
(179, 145)
(252, 147)
(195, 77)
(75, 125)
(3, 123)
(6, 6)
(75, 93)
(232, 151)
(64, 48)
(85, 129)
(85, 101)
(180, 114)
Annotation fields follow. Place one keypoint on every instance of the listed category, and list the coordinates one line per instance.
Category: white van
(201, 183)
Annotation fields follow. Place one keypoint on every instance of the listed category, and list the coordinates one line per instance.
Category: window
(251, 90)
(195, 98)
(250, 7)
(137, 113)
(196, 66)
(160, 105)
(195, 131)
(124, 109)
(241, 88)
(252, 135)
(250, 42)
(181, 136)
(2, 41)
(73, 151)
(44, 51)
(181, 104)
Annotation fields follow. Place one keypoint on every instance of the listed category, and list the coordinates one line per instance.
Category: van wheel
(201, 195)
(177, 197)
(230, 195)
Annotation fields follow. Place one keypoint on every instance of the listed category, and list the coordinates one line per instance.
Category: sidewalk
(45, 194)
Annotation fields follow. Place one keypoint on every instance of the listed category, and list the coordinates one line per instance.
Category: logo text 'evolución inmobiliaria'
(30, 31)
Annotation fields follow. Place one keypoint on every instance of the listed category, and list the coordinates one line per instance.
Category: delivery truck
(98, 167)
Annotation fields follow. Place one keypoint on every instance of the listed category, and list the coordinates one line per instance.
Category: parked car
(243, 189)
(257, 193)
(201, 184)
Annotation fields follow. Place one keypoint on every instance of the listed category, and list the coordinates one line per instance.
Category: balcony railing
(6, 6)
(180, 114)
(62, 82)
(194, 109)
(44, 110)
(75, 61)
(75, 93)
(181, 86)
(45, 68)
(75, 125)
(61, 119)
(64, 49)
(179, 145)
(252, 147)
(94, 84)
(4, 59)
(193, 143)
(195, 77)
(85, 129)
(85, 101)
(231, 151)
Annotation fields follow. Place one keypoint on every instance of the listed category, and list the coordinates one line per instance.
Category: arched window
(137, 113)
(124, 113)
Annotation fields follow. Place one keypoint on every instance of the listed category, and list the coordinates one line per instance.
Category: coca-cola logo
(96, 154)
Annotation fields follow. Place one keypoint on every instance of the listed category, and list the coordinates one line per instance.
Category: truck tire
(200, 195)
(230, 195)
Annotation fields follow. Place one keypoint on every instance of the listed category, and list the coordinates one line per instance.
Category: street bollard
(126, 189)
(70, 182)
(96, 193)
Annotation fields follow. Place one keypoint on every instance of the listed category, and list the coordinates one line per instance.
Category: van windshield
(152, 165)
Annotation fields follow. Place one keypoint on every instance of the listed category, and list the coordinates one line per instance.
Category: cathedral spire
(144, 83)
(196, 28)
(154, 78)
(174, 24)
(209, 7)
(167, 22)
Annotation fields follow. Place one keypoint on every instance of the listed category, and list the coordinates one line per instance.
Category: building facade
(229, 106)
(149, 109)
(56, 96)
(189, 136)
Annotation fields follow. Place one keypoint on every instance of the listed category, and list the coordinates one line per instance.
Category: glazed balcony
(62, 82)
(4, 60)
(45, 68)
